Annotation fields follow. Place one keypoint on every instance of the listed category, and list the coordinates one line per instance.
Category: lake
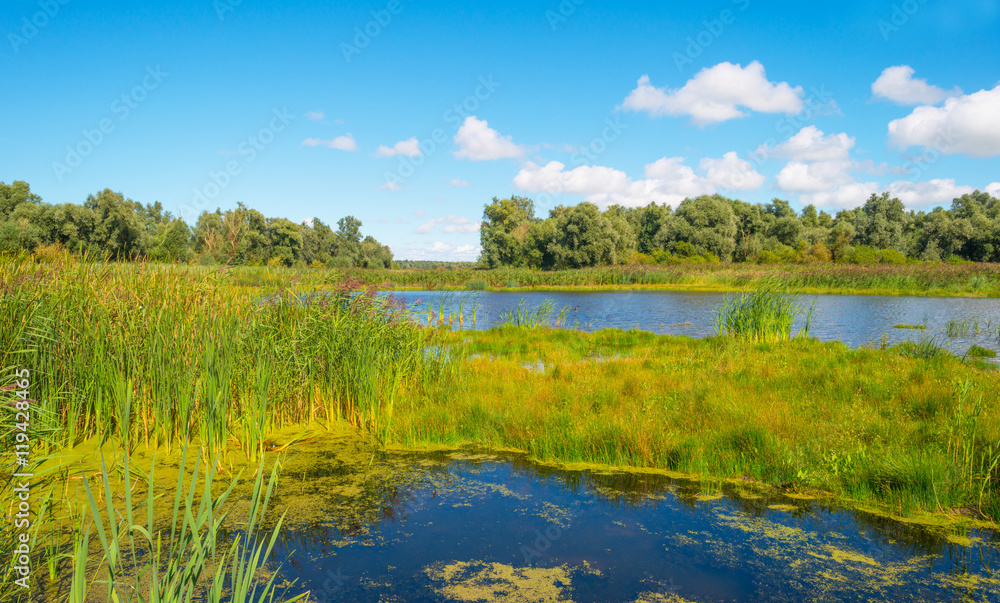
(856, 320)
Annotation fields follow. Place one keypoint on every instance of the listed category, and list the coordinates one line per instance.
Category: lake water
(856, 320)
(479, 526)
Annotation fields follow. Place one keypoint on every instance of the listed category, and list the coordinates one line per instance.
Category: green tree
(504, 231)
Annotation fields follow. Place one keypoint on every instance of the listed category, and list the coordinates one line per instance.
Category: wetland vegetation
(139, 359)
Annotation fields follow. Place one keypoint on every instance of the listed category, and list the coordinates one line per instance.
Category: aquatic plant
(153, 355)
(765, 315)
(981, 352)
(524, 317)
(185, 561)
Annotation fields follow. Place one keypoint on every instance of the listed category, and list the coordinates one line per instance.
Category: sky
(412, 115)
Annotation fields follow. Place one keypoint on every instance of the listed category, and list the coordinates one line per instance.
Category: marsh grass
(884, 428)
(155, 355)
(185, 561)
(979, 280)
(545, 315)
(765, 315)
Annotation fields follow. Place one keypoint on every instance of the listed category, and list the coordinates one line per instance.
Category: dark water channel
(479, 526)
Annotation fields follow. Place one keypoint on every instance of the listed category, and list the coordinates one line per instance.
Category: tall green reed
(767, 314)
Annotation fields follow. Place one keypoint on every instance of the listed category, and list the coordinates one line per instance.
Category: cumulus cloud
(390, 186)
(810, 144)
(409, 147)
(441, 251)
(802, 176)
(667, 180)
(993, 189)
(479, 142)
(919, 195)
(898, 85)
(967, 124)
(315, 115)
(449, 224)
(846, 196)
(459, 183)
(716, 94)
(344, 143)
(731, 172)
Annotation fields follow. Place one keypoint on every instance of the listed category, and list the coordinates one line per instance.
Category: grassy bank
(876, 426)
(970, 280)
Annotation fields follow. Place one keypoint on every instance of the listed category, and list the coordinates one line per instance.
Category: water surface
(477, 526)
(856, 320)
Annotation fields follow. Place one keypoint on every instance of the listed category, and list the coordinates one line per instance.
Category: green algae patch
(842, 556)
(500, 583)
(780, 507)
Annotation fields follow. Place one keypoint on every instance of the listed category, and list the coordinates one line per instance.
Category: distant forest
(717, 229)
(110, 225)
(704, 229)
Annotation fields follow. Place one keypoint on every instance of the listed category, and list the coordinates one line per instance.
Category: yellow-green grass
(876, 426)
(918, 279)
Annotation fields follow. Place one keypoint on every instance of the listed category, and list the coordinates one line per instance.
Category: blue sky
(412, 115)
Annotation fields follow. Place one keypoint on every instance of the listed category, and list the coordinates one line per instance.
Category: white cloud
(344, 143)
(965, 124)
(452, 224)
(390, 186)
(479, 142)
(810, 144)
(409, 147)
(847, 196)
(919, 195)
(716, 94)
(898, 85)
(731, 172)
(667, 180)
(993, 189)
(440, 251)
(801, 176)
(582, 180)
(459, 182)
(315, 115)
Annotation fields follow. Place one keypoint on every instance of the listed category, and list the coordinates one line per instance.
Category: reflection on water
(477, 526)
(853, 319)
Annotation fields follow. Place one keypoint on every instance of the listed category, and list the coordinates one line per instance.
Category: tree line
(109, 225)
(713, 228)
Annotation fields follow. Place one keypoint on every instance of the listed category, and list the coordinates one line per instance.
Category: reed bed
(941, 279)
(154, 355)
(765, 315)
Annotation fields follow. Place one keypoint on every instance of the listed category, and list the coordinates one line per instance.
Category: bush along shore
(195, 363)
